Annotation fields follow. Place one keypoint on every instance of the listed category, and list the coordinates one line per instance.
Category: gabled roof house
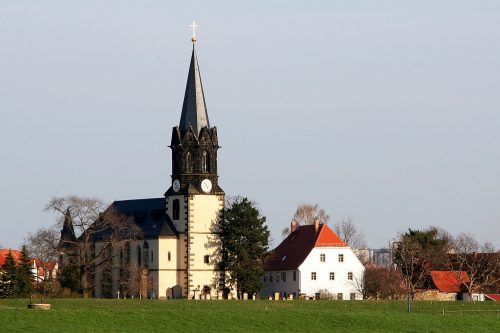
(313, 260)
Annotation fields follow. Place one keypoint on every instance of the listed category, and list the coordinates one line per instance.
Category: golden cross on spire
(194, 26)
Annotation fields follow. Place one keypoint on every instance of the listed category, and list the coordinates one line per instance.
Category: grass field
(77, 315)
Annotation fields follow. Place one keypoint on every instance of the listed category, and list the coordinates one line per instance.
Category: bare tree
(349, 233)
(307, 214)
(98, 232)
(42, 244)
(417, 252)
(480, 261)
(380, 283)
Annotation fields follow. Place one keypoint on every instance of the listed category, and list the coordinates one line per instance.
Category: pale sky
(384, 111)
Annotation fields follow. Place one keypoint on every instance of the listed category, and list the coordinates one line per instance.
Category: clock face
(206, 185)
(176, 185)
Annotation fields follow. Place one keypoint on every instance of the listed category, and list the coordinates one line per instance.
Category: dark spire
(194, 110)
(67, 232)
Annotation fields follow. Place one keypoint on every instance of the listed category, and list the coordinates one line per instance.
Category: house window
(332, 275)
(169, 256)
(340, 296)
(352, 296)
(206, 259)
(145, 253)
(152, 257)
(341, 258)
(277, 277)
(175, 209)
(313, 276)
(349, 276)
(270, 277)
(322, 257)
(283, 276)
(139, 257)
(264, 277)
(294, 275)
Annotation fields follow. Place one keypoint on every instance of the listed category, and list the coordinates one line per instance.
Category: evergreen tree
(8, 277)
(245, 238)
(69, 277)
(25, 278)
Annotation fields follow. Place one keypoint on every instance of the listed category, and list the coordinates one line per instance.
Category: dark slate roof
(292, 252)
(149, 214)
(67, 232)
(194, 109)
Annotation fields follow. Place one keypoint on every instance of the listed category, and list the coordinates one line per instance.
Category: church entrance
(176, 292)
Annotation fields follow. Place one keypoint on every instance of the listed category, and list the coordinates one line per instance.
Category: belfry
(178, 250)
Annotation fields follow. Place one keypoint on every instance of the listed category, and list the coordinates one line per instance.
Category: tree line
(244, 242)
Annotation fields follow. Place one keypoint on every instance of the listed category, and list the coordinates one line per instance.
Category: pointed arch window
(145, 254)
(189, 163)
(209, 169)
(176, 209)
(204, 161)
(139, 256)
(127, 253)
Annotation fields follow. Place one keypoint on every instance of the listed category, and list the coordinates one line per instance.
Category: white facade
(321, 272)
(342, 262)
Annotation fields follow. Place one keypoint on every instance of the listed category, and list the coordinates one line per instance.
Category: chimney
(293, 226)
(316, 225)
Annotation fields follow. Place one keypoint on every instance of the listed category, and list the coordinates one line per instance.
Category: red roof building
(449, 281)
(3, 254)
(492, 297)
(40, 271)
(313, 260)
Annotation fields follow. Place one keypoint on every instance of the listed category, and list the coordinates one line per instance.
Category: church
(178, 251)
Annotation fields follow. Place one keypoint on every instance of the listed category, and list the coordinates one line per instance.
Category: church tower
(194, 200)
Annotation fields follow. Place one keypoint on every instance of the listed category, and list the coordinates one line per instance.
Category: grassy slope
(75, 315)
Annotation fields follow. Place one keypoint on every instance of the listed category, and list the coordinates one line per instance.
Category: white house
(312, 260)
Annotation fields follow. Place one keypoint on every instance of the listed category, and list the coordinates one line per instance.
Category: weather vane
(194, 26)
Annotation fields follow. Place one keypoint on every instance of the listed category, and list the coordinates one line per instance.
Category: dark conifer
(8, 277)
(25, 277)
(245, 240)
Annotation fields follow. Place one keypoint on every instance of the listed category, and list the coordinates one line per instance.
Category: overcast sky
(384, 111)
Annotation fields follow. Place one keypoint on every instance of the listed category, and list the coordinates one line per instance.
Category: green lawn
(77, 315)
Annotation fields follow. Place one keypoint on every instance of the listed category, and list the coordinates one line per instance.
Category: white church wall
(204, 213)
(180, 223)
(167, 268)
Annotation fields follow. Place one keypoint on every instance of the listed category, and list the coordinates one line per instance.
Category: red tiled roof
(3, 253)
(448, 281)
(328, 238)
(493, 297)
(50, 265)
(292, 252)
